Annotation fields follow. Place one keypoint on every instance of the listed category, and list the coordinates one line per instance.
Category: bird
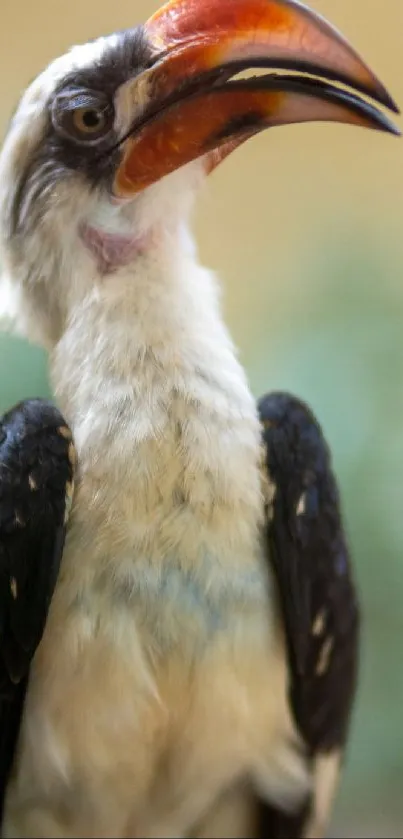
(180, 620)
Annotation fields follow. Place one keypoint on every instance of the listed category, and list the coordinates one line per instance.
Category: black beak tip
(383, 123)
(389, 102)
(386, 124)
(393, 129)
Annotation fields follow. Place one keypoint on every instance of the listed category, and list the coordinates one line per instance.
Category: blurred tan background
(305, 226)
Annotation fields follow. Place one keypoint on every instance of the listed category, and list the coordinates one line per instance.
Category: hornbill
(178, 658)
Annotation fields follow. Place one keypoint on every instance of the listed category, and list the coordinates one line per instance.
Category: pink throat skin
(110, 250)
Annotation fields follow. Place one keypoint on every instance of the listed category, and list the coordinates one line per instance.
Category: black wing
(310, 559)
(36, 484)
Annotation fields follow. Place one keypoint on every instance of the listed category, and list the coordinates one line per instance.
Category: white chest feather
(161, 677)
(169, 501)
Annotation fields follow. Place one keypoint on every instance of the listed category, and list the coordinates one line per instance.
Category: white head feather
(46, 270)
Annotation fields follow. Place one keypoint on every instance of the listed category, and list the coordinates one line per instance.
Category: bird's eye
(89, 120)
(83, 117)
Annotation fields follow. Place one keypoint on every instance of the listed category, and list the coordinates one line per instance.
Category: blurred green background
(305, 227)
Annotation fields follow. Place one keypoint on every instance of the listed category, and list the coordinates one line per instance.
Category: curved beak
(197, 108)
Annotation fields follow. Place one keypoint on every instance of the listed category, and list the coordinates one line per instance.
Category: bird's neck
(165, 425)
(145, 349)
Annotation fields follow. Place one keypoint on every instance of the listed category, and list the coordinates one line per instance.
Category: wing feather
(309, 555)
(36, 483)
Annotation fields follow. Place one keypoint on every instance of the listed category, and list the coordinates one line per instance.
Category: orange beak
(198, 108)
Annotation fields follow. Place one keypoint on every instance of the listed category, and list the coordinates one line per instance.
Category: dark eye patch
(56, 157)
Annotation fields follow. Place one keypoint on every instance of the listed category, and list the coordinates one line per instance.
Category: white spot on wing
(318, 626)
(32, 483)
(300, 510)
(324, 657)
